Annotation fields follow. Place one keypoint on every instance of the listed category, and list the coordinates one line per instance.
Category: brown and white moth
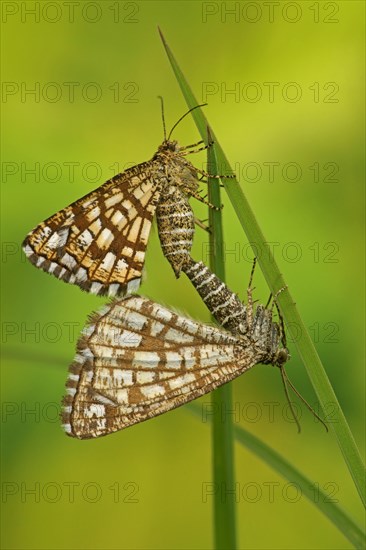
(136, 360)
(99, 241)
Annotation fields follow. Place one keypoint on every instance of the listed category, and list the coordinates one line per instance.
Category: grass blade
(275, 281)
(222, 431)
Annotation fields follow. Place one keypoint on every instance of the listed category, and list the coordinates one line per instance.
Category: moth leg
(280, 317)
(197, 196)
(250, 290)
(185, 147)
(214, 176)
(202, 179)
(202, 225)
(198, 150)
(268, 301)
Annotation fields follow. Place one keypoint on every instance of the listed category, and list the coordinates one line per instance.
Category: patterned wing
(136, 360)
(99, 241)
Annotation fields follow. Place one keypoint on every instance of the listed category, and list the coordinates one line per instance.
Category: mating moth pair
(135, 358)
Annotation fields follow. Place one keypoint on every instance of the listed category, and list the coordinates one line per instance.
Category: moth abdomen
(175, 221)
(224, 304)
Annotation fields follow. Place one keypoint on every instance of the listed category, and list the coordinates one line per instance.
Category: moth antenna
(162, 115)
(285, 380)
(285, 377)
(182, 117)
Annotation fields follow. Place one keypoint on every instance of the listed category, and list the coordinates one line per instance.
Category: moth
(99, 241)
(137, 359)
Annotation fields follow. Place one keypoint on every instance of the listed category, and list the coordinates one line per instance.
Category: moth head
(281, 357)
(168, 146)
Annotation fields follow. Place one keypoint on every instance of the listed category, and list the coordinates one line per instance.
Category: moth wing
(137, 359)
(99, 241)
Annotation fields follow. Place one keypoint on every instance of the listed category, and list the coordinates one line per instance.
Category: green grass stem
(222, 431)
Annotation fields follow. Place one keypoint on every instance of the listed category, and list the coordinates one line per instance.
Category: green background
(145, 487)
